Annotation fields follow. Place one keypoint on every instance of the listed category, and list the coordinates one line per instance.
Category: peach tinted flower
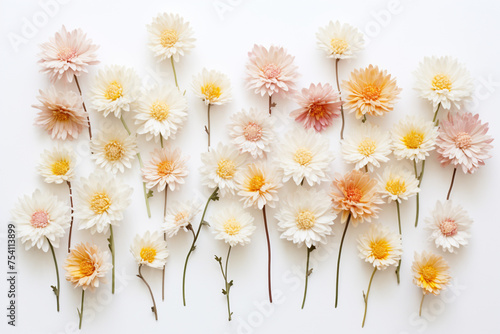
(430, 272)
(319, 105)
(166, 168)
(67, 54)
(86, 266)
(271, 71)
(356, 194)
(463, 142)
(61, 114)
(370, 91)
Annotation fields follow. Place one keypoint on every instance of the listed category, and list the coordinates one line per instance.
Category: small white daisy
(170, 36)
(150, 249)
(397, 183)
(367, 145)
(114, 149)
(340, 40)
(162, 111)
(40, 218)
(101, 200)
(219, 167)
(212, 86)
(413, 138)
(305, 217)
(258, 185)
(115, 90)
(449, 226)
(180, 216)
(252, 131)
(445, 81)
(233, 224)
(304, 155)
(58, 164)
(380, 246)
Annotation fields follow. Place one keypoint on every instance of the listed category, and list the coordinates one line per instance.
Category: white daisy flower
(397, 183)
(252, 131)
(443, 80)
(367, 145)
(101, 200)
(413, 138)
(162, 111)
(380, 246)
(180, 215)
(449, 226)
(340, 40)
(212, 86)
(170, 36)
(220, 166)
(115, 90)
(114, 149)
(304, 155)
(58, 164)
(258, 185)
(233, 224)
(150, 249)
(305, 217)
(40, 218)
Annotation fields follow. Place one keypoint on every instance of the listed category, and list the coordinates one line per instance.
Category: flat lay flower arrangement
(251, 169)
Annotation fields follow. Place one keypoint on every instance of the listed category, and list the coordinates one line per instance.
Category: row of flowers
(254, 166)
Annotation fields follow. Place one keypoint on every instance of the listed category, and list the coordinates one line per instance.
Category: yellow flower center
(367, 147)
(100, 202)
(463, 140)
(232, 226)
(87, 268)
(395, 186)
(256, 183)
(305, 220)
(413, 139)
(353, 194)
(441, 81)
(428, 274)
(114, 150)
(180, 216)
(448, 227)
(211, 91)
(168, 38)
(60, 167)
(159, 111)
(114, 91)
(148, 254)
(60, 115)
(338, 45)
(165, 168)
(371, 92)
(226, 169)
(302, 156)
(317, 110)
(380, 249)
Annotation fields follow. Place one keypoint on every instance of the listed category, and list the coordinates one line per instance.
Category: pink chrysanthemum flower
(61, 114)
(463, 142)
(319, 105)
(67, 54)
(167, 168)
(271, 71)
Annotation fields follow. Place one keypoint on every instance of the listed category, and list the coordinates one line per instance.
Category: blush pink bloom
(271, 71)
(463, 142)
(61, 114)
(319, 105)
(167, 168)
(67, 54)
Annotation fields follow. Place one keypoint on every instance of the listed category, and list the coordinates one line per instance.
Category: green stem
(451, 184)
(398, 269)
(58, 289)
(419, 178)
(80, 312)
(164, 238)
(193, 245)
(72, 215)
(175, 74)
(418, 194)
(150, 292)
(363, 120)
(207, 129)
(161, 141)
(268, 255)
(365, 297)
(338, 261)
(421, 304)
(435, 120)
(112, 248)
(309, 250)
(341, 106)
(141, 164)
(228, 284)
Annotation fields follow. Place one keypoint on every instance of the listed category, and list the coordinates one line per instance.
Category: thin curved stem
(309, 250)
(112, 248)
(58, 288)
(268, 255)
(161, 141)
(270, 104)
(451, 184)
(80, 311)
(365, 297)
(421, 304)
(175, 74)
(398, 269)
(207, 129)
(435, 120)
(150, 292)
(83, 104)
(212, 197)
(363, 120)
(341, 106)
(72, 215)
(419, 178)
(228, 285)
(338, 261)
(164, 238)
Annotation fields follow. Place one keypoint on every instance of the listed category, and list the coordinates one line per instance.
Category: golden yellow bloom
(86, 266)
(430, 272)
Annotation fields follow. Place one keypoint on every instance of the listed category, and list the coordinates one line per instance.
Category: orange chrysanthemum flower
(87, 266)
(430, 272)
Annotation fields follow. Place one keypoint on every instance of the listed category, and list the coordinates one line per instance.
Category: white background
(400, 34)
